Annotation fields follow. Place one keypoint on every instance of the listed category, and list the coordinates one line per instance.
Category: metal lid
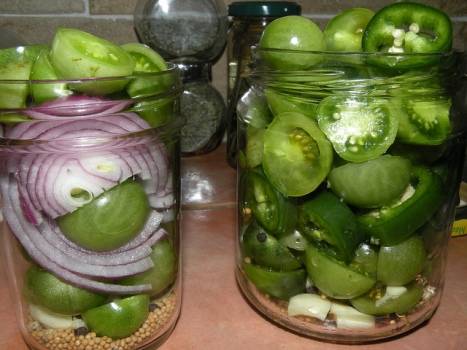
(264, 8)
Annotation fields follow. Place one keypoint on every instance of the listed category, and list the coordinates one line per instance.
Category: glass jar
(248, 20)
(90, 200)
(348, 176)
(203, 110)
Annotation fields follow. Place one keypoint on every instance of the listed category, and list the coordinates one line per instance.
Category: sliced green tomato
(334, 278)
(326, 218)
(14, 65)
(42, 69)
(395, 223)
(77, 54)
(118, 319)
(401, 263)
(406, 27)
(164, 271)
(254, 146)
(344, 32)
(282, 102)
(293, 33)
(359, 128)
(156, 112)
(147, 61)
(110, 220)
(282, 285)
(264, 250)
(383, 301)
(424, 121)
(295, 241)
(373, 183)
(253, 109)
(297, 156)
(365, 260)
(43, 288)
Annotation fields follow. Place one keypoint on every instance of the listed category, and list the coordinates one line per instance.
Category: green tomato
(344, 32)
(164, 271)
(110, 220)
(294, 33)
(118, 319)
(43, 288)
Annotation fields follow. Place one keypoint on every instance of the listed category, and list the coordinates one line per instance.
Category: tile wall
(34, 21)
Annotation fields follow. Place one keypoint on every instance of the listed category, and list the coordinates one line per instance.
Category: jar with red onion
(89, 186)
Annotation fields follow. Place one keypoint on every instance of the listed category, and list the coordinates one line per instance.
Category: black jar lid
(264, 8)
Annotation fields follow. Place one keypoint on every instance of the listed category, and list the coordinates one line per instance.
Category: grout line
(68, 15)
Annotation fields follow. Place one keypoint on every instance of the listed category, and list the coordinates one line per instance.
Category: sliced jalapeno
(264, 250)
(326, 218)
(297, 156)
(407, 28)
(333, 277)
(282, 285)
(393, 224)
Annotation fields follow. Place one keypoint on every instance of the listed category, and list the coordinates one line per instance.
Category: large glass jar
(348, 176)
(248, 20)
(90, 201)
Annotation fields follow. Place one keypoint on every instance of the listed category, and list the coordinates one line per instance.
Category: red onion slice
(12, 215)
(76, 107)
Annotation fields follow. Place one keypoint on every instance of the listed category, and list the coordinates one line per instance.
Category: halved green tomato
(360, 128)
(365, 260)
(42, 69)
(16, 64)
(344, 32)
(282, 285)
(424, 121)
(264, 250)
(373, 183)
(297, 156)
(333, 277)
(77, 54)
(387, 300)
(401, 263)
(147, 61)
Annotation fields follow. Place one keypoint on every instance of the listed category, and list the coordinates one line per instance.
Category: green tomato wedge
(373, 183)
(399, 300)
(401, 263)
(424, 121)
(16, 64)
(365, 260)
(297, 156)
(110, 220)
(344, 32)
(43, 288)
(162, 275)
(333, 277)
(281, 285)
(293, 33)
(280, 102)
(42, 69)
(118, 319)
(254, 146)
(147, 61)
(359, 128)
(264, 250)
(76, 54)
(324, 218)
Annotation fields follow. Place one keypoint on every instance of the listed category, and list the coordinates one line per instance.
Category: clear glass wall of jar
(90, 201)
(349, 170)
(248, 20)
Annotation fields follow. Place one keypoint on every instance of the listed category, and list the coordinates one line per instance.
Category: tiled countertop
(215, 316)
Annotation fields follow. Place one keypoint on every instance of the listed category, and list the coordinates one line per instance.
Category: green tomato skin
(401, 263)
(293, 33)
(333, 277)
(43, 288)
(110, 220)
(118, 319)
(164, 271)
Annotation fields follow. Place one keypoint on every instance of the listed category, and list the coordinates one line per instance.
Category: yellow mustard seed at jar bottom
(65, 339)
